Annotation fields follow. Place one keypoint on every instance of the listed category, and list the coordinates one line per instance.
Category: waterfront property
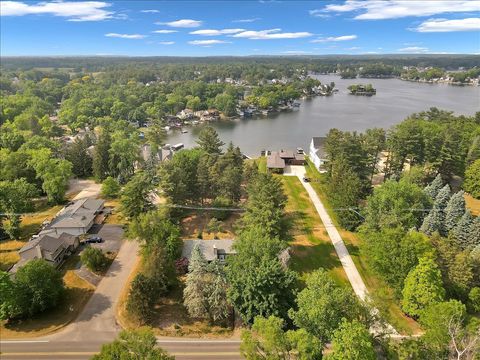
(278, 160)
(211, 249)
(317, 153)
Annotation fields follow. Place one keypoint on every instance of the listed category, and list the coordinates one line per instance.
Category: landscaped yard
(311, 247)
(379, 291)
(78, 291)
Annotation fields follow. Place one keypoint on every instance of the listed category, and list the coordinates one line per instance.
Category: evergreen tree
(209, 141)
(433, 222)
(472, 179)
(442, 198)
(454, 210)
(423, 287)
(77, 154)
(461, 232)
(434, 187)
(474, 236)
(216, 291)
(101, 156)
(135, 196)
(194, 292)
(142, 297)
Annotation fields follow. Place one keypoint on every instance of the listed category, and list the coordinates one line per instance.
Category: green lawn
(379, 291)
(311, 247)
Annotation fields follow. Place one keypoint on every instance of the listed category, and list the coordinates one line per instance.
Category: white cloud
(376, 9)
(211, 32)
(271, 34)
(335, 38)
(354, 48)
(183, 23)
(319, 13)
(152, 11)
(207, 42)
(246, 20)
(413, 50)
(166, 42)
(164, 31)
(125, 36)
(74, 11)
(444, 25)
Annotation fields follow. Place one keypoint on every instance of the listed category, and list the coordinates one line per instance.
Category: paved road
(72, 350)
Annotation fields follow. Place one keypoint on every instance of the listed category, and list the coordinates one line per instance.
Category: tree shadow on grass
(307, 258)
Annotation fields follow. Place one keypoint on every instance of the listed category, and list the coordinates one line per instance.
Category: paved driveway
(111, 234)
(84, 188)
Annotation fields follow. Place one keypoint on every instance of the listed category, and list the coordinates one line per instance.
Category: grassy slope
(379, 291)
(473, 204)
(311, 246)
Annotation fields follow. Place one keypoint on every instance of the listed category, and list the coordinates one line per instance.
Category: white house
(317, 153)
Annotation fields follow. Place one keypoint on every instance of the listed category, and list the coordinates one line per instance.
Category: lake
(395, 100)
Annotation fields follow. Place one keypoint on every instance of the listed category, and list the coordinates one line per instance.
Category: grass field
(379, 291)
(311, 247)
(78, 291)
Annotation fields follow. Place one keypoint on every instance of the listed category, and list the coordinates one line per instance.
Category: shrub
(110, 188)
(94, 259)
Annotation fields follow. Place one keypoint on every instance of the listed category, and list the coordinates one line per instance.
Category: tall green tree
(268, 340)
(323, 304)
(352, 341)
(135, 197)
(423, 287)
(473, 239)
(434, 187)
(194, 293)
(209, 141)
(77, 153)
(395, 204)
(100, 162)
(472, 179)
(133, 345)
(462, 231)
(142, 298)
(454, 210)
(15, 198)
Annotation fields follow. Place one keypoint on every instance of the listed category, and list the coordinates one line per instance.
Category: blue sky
(201, 28)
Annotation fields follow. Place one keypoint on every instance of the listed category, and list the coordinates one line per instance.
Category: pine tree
(101, 156)
(442, 198)
(194, 292)
(434, 187)
(209, 141)
(473, 240)
(454, 210)
(433, 222)
(461, 232)
(217, 293)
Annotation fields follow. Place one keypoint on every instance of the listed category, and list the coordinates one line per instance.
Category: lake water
(395, 100)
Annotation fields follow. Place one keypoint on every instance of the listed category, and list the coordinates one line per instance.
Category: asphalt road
(73, 350)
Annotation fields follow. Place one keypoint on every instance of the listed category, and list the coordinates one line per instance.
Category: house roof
(319, 146)
(207, 247)
(79, 214)
(287, 154)
(274, 161)
(49, 243)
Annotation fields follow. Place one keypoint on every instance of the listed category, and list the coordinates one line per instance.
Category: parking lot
(112, 236)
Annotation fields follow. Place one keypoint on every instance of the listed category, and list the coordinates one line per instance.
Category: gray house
(51, 248)
(77, 218)
(211, 249)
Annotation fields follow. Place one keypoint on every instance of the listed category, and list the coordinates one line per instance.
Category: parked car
(94, 240)
(306, 179)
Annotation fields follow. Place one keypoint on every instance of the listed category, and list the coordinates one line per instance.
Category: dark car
(93, 240)
(306, 179)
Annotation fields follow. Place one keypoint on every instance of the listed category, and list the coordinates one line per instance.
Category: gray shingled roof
(207, 248)
(79, 214)
(274, 161)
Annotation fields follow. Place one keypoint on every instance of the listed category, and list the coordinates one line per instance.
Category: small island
(361, 89)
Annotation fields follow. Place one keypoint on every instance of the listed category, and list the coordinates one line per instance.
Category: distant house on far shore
(317, 153)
